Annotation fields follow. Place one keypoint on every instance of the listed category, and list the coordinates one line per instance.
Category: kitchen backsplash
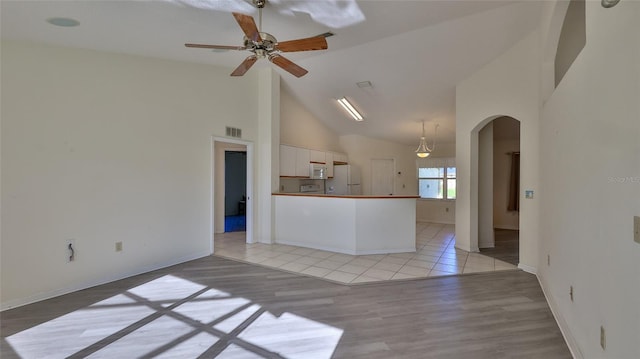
(292, 185)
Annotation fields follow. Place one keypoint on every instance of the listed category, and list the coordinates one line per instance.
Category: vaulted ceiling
(413, 52)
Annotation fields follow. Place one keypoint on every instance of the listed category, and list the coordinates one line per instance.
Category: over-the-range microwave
(317, 171)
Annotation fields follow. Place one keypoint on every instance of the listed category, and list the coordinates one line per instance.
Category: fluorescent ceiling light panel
(352, 111)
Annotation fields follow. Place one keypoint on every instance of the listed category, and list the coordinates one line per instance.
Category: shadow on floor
(507, 247)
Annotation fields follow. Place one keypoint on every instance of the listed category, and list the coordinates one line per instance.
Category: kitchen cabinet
(328, 156)
(340, 157)
(294, 161)
(317, 156)
(287, 161)
(302, 162)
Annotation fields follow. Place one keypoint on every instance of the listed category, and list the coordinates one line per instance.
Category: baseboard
(74, 288)
(562, 324)
(528, 268)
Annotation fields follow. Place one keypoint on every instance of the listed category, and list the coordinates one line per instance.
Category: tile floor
(435, 256)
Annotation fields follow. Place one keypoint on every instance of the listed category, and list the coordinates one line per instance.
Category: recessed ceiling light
(63, 21)
(364, 84)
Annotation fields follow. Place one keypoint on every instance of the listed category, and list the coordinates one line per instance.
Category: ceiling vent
(234, 132)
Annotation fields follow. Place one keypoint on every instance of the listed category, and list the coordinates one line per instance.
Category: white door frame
(249, 203)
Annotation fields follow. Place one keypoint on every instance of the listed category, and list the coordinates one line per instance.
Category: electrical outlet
(636, 229)
(603, 338)
(70, 250)
(571, 293)
(119, 246)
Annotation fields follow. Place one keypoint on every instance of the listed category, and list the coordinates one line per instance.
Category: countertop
(344, 196)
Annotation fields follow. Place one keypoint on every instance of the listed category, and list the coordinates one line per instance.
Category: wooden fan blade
(244, 66)
(288, 66)
(308, 44)
(220, 47)
(249, 27)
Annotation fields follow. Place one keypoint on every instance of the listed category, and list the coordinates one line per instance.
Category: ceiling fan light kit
(264, 45)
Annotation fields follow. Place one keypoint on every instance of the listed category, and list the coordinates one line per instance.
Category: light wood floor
(215, 307)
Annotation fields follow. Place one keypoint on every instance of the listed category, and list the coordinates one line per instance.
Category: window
(437, 182)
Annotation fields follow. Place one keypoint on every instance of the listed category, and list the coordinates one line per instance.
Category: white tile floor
(435, 256)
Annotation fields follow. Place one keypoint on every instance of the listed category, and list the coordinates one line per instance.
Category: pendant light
(423, 150)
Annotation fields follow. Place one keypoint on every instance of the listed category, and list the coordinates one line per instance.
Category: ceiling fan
(265, 45)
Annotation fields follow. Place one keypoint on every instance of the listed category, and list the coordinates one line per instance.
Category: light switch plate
(636, 229)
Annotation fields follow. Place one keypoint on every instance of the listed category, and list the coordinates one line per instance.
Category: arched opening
(496, 191)
(499, 188)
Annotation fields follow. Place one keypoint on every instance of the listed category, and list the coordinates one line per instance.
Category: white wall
(436, 211)
(507, 86)
(361, 150)
(298, 127)
(102, 148)
(267, 164)
(590, 188)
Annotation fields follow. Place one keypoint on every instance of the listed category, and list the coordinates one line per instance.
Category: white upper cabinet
(294, 161)
(317, 156)
(329, 161)
(302, 162)
(340, 157)
(287, 160)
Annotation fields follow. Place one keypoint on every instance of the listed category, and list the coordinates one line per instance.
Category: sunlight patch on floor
(172, 317)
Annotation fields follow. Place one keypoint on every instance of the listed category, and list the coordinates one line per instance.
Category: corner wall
(590, 128)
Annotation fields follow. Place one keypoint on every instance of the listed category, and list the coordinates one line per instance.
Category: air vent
(234, 132)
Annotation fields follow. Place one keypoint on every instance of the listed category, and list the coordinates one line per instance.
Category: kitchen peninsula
(354, 224)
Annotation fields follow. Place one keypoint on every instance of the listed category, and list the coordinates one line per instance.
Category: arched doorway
(499, 188)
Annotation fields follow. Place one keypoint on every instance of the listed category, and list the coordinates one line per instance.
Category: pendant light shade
(423, 149)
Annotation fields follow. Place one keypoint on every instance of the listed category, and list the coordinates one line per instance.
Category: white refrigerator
(345, 181)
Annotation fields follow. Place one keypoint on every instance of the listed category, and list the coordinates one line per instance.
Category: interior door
(382, 176)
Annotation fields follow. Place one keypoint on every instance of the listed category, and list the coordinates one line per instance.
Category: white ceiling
(413, 52)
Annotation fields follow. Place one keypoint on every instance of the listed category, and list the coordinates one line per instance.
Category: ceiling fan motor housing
(263, 48)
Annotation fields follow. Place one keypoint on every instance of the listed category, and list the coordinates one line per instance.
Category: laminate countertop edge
(343, 196)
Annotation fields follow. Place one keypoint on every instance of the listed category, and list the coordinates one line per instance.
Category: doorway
(382, 177)
(235, 190)
(498, 189)
(231, 189)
